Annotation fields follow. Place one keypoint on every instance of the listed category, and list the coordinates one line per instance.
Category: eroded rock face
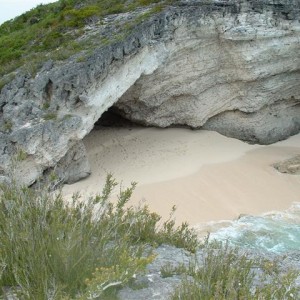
(238, 75)
(226, 66)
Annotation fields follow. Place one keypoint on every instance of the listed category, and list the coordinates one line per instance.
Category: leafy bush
(50, 249)
(77, 17)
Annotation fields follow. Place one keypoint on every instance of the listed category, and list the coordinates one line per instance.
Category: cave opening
(113, 117)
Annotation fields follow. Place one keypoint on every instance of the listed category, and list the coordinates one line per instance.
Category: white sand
(207, 176)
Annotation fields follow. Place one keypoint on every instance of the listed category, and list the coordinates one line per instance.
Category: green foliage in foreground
(80, 250)
(226, 274)
(87, 249)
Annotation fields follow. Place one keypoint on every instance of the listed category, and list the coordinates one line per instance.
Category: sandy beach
(207, 176)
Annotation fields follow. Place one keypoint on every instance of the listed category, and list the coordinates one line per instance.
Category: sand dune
(208, 177)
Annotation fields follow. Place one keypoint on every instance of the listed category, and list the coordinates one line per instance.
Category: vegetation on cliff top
(52, 30)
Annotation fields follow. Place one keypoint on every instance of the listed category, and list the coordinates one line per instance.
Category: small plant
(21, 155)
(46, 105)
(114, 276)
(7, 126)
(53, 176)
(148, 2)
(168, 270)
(81, 58)
(181, 237)
(67, 116)
(50, 116)
(116, 9)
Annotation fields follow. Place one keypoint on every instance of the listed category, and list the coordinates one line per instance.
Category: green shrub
(77, 17)
(116, 9)
(64, 251)
(51, 249)
(52, 40)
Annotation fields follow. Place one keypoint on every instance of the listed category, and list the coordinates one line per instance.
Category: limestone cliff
(229, 66)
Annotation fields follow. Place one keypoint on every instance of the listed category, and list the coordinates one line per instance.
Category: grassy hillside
(52, 30)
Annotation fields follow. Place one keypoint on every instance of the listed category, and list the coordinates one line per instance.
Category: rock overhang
(229, 68)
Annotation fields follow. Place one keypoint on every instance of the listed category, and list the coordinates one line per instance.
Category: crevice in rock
(48, 92)
(113, 118)
(2, 107)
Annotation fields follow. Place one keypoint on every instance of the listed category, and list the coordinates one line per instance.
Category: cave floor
(207, 176)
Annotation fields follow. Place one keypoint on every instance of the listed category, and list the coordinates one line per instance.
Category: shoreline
(208, 177)
(225, 191)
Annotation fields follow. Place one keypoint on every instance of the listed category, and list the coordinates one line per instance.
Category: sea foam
(276, 232)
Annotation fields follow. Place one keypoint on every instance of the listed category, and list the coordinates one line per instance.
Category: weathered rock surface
(238, 75)
(289, 166)
(229, 66)
(156, 285)
(71, 168)
(271, 123)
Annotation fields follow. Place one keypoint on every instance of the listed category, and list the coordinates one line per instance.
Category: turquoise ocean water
(276, 232)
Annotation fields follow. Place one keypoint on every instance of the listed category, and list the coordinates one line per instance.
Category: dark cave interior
(113, 118)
